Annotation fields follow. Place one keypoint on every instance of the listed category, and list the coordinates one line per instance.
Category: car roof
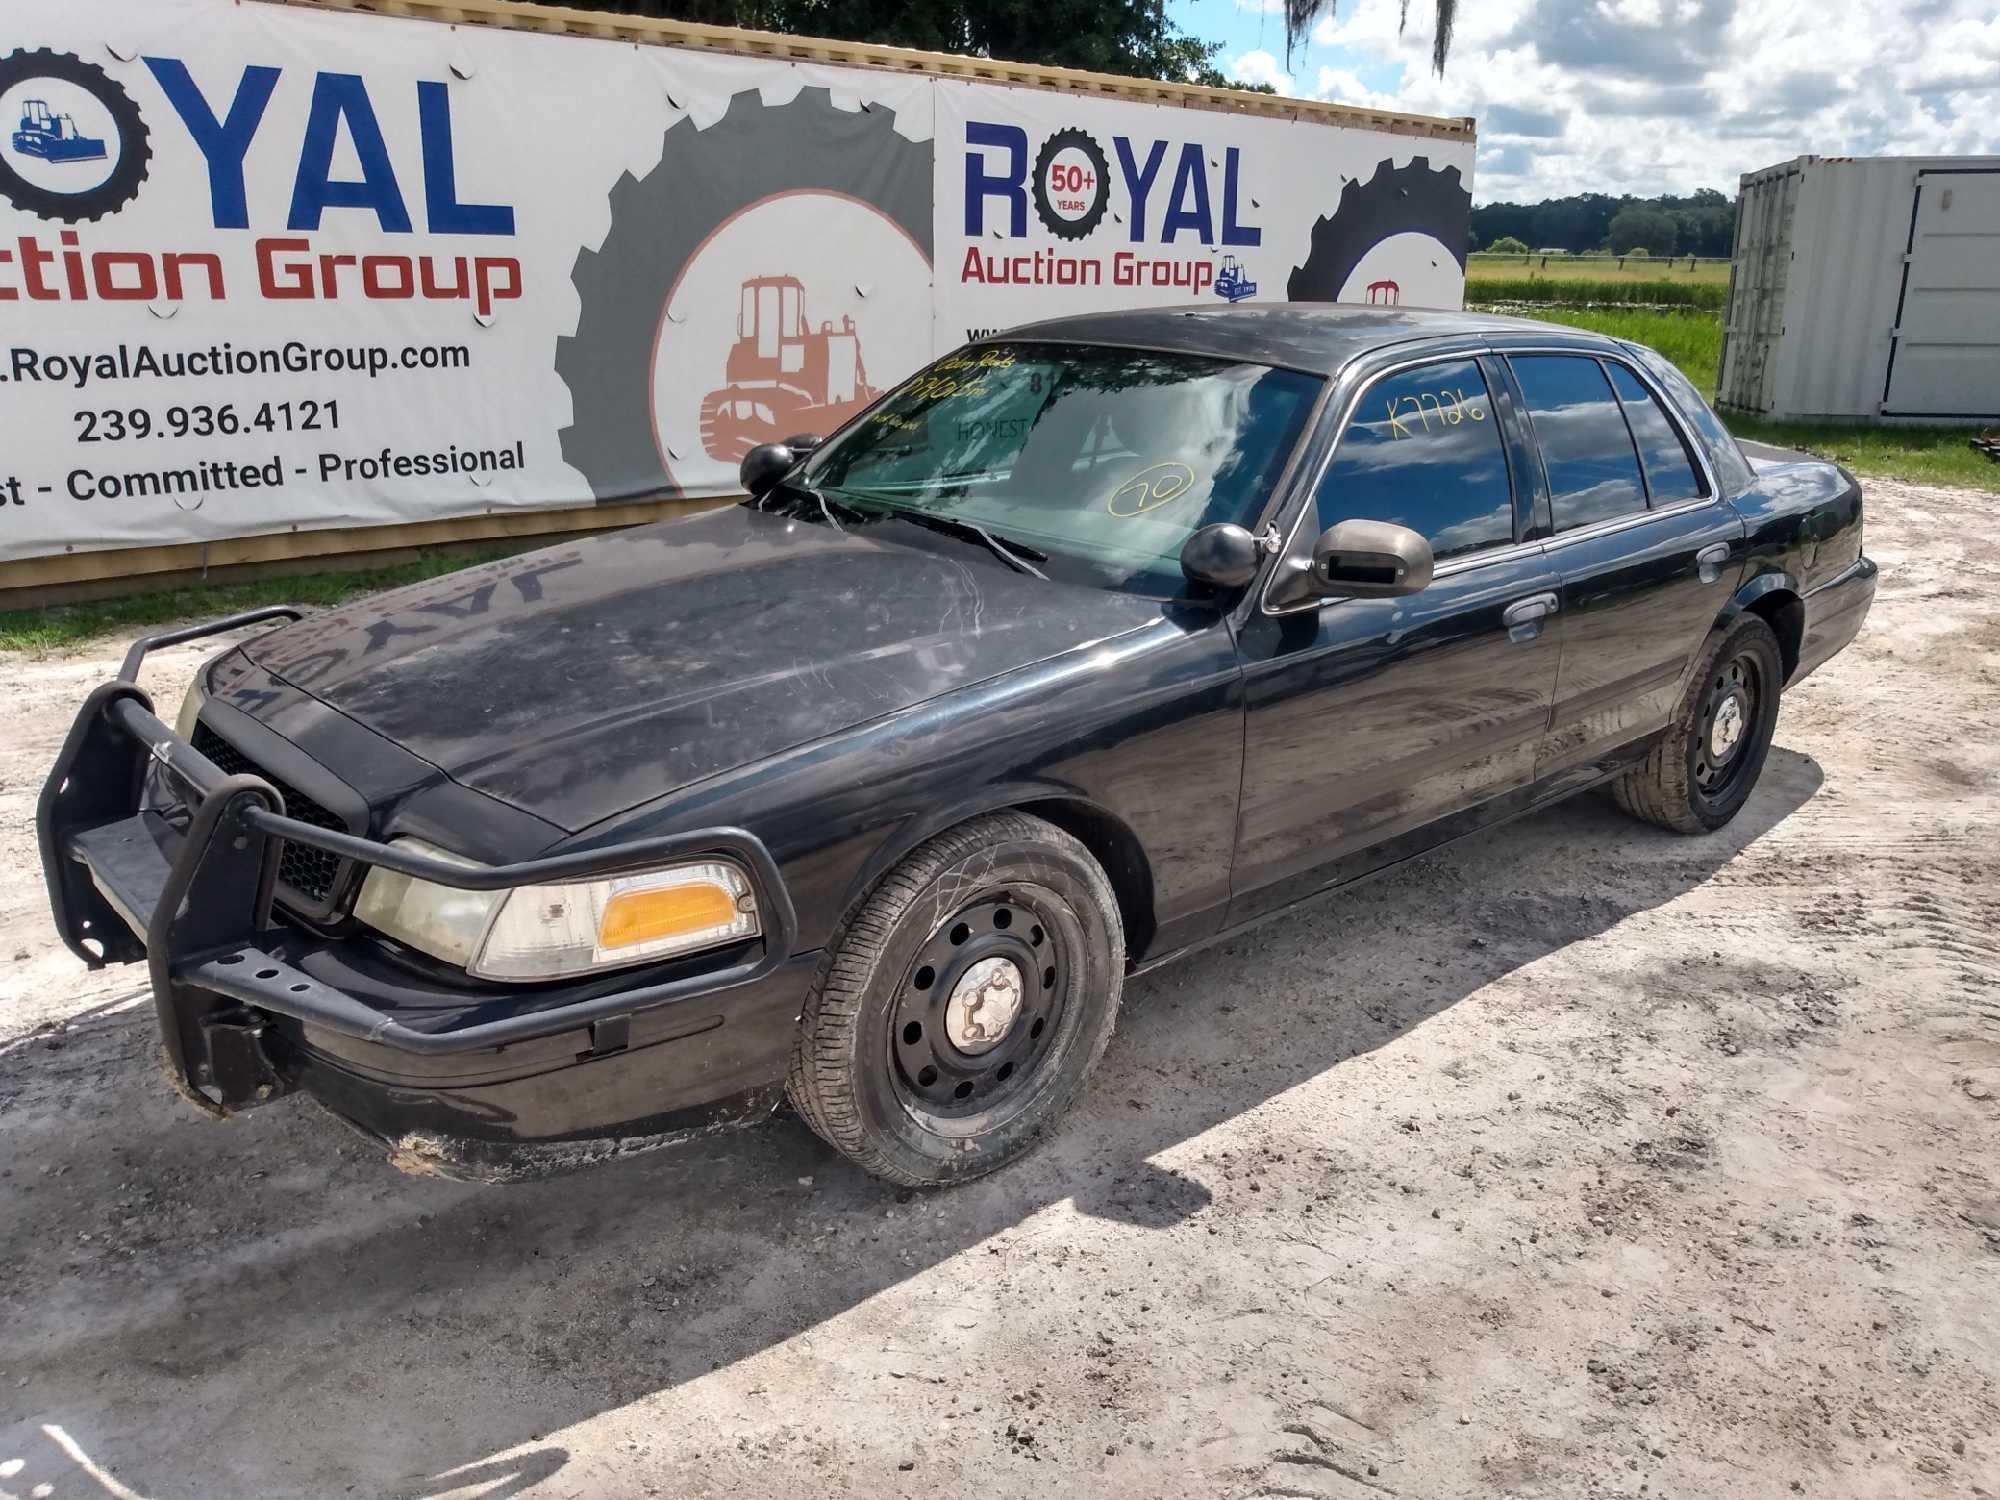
(1317, 337)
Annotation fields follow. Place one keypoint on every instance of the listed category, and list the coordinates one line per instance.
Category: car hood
(582, 680)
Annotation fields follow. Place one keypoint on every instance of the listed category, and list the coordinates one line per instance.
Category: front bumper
(458, 1077)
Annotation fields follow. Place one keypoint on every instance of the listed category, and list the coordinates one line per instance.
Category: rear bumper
(1835, 611)
(457, 1077)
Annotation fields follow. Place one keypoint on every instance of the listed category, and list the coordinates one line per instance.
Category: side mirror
(802, 443)
(764, 465)
(1371, 560)
(1223, 555)
(1357, 560)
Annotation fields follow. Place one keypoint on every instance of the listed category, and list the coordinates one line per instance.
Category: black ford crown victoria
(1082, 647)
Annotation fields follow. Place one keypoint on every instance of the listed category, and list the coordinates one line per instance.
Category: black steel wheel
(963, 1004)
(1704, 768)
(1719, 746)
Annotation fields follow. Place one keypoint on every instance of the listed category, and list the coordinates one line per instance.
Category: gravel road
(1577, 1160)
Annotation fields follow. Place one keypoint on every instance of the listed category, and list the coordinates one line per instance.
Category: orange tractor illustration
(783, 376)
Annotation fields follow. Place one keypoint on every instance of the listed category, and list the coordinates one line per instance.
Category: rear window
(1586, 447)
(1730, 464)
(1670, 475)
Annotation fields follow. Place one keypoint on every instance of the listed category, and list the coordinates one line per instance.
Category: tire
(1045, 210)
(1683, 784)
(874, 1069)
(135, 147)
(1410, 199)
(660, 221)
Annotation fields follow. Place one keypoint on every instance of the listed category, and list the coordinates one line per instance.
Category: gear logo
(75, 147)
(707, 323)
(1410, 221)
(1072, 184)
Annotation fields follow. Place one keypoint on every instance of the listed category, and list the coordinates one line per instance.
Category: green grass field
(1693, 340)
(62, 626)
(1480, 268)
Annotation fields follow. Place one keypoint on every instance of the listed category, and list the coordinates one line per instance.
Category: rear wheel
(1699, 776)
(963, 1004)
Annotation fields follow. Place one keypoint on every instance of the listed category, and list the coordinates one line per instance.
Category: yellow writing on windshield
(1151, 488)
(985, 359)
(1432, 411)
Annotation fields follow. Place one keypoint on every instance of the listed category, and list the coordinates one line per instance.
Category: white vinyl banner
(266, 268)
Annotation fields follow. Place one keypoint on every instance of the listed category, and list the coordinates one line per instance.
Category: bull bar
(198, 911)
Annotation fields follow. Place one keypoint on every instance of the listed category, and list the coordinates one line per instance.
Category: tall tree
(1302, 15)
(1132, 37)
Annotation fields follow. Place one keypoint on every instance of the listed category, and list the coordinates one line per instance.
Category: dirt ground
(1577, 1160)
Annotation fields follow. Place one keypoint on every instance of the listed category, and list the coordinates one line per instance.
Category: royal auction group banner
(267, 268)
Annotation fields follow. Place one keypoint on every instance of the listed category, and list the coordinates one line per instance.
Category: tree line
(1704, 224)
(1132, 37)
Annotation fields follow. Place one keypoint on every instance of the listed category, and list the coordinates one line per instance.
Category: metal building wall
(1818, 287)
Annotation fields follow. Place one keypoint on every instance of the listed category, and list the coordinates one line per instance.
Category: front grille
(312, 873)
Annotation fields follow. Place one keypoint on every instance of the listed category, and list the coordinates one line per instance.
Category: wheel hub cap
(1727, 729)
(983, 1005)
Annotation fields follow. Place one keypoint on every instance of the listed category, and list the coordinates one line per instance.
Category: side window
(1423, 450)
(1670, 476)
(1586, 447)
(1728, 460)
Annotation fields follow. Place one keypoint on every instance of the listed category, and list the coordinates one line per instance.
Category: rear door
(1647, 549)
(1368, 720)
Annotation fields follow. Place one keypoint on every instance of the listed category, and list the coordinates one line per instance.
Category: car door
(1647, 549)
(1368, 720)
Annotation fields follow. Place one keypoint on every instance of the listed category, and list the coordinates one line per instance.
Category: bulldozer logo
(76, 148)
(1409, 220)
(704, 330)
(1231, 284)
(784, 376)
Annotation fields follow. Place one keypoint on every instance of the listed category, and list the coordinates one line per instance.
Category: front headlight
(558, 931)
(197, 695)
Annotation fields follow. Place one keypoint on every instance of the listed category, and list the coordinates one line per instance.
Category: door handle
(1529, 611)
(1708, 562)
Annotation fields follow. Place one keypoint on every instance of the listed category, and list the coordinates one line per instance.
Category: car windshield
(1100, 461)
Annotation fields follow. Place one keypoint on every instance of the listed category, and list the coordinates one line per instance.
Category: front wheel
(963, 1004)
(1702, 772)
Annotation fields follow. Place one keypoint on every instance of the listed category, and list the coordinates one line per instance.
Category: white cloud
(1258, 66)
(1646, 96)
(1262, 7)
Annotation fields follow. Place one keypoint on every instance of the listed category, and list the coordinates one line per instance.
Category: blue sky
(1646, 96)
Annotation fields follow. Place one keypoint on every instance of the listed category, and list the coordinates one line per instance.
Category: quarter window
(1586, 447)
(1670, 476)
(1423, 450)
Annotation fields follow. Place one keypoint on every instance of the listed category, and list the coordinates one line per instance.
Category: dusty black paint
(842, 696)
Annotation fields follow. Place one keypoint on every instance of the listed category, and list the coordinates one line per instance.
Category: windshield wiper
(826, 507)
(1017, 555)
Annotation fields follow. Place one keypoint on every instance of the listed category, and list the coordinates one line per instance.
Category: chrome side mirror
(1357, 560)
(1371, 560)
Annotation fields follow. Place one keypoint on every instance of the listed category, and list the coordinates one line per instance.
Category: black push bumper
(190, 893)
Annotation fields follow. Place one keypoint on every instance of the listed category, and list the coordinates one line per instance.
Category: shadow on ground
(176, 1285)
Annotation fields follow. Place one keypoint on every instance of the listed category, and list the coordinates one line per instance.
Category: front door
(1648, 551)
(1368, 720)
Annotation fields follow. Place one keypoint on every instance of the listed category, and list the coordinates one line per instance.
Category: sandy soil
(1579, 1160)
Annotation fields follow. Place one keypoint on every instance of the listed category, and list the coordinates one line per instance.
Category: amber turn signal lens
(643, 916)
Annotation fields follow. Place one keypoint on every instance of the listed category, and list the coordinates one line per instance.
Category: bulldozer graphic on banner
(1231, 283)
(783, 376)
(52, 137)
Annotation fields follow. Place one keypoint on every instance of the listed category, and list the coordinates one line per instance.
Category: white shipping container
(1866, 290)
